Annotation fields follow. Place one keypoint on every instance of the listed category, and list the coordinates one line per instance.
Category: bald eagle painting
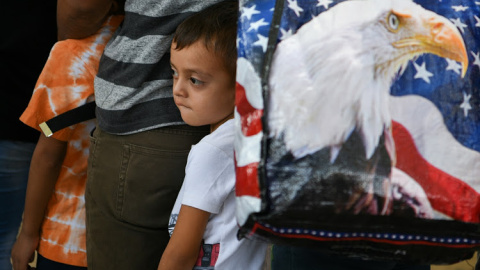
(328, 107)
(358, 126)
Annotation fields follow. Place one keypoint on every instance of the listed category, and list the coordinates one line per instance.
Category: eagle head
(409, 31)
(333, 76)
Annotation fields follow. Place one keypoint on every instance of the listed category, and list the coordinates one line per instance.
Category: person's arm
(45, 167)
(82, 18)
(183, 248)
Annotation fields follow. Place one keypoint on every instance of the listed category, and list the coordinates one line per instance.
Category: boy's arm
(183, 248)
(81, 18)
(44, 170)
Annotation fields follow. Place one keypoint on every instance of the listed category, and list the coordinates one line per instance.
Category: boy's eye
(174, 73)
(196, 81)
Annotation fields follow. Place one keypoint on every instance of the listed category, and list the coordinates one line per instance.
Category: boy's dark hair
(217, 27)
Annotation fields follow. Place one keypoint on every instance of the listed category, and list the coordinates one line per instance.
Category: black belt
(66, 119)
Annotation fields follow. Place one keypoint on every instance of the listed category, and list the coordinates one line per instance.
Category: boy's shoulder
(222, 137)
(216, 147)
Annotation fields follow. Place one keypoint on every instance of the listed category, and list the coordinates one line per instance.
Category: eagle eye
(393, 22)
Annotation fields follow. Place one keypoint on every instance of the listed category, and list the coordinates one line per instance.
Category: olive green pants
(133, 181)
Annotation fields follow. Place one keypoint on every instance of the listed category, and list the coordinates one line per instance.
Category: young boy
(54, 217)
(203, 55)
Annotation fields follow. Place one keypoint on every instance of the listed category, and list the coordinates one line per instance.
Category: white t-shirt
(209, 185)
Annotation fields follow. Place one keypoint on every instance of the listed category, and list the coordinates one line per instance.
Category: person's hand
(23, 251)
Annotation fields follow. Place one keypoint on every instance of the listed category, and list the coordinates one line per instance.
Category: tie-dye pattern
(65, 83)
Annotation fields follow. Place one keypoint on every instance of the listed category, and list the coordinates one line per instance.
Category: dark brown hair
(217, 26)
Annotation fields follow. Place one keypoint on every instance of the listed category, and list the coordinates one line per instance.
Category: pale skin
(45, 167)
(204, 91)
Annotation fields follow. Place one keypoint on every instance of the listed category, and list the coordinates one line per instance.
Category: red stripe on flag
(250, 117)
(447, 194)
(247, 181)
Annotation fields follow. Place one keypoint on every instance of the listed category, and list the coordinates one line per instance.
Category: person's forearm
(81, 18)
(181, 253)
(183, 248)
(177, 263)
(44, 170)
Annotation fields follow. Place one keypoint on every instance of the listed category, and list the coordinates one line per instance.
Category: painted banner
(358, 126)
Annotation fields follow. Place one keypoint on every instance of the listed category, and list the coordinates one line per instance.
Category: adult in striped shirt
(140, 145)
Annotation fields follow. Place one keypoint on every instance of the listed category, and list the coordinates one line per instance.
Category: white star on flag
(293, 5)
(466, 104)
(257, 24)
(262, 41)
(477, 59)
(453, 65)
(459, 8)
(324, 3)
(459, 24)
(249, 12)
(422, 72)
(478, 21)
(285, 34)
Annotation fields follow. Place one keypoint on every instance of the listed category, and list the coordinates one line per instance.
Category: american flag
(442, 153)
(435, 111)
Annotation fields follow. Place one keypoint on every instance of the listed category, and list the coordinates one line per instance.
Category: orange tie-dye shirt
(65, 83)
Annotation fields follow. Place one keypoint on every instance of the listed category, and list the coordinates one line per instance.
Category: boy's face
(203, 89)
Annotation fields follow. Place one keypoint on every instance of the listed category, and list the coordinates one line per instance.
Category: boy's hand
(23, 251)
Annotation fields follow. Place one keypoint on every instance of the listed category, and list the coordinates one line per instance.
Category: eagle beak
(439, 37)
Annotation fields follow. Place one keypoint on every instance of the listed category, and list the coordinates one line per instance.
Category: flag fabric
(427, 187)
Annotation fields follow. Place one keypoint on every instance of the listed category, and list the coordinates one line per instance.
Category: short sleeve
(67, 79)
(209, 178)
